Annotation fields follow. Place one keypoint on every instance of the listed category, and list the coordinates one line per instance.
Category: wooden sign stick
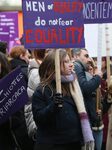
(99, 60)
(57, 72)
(109, 137)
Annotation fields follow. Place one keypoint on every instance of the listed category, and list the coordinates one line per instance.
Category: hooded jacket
(33, 82)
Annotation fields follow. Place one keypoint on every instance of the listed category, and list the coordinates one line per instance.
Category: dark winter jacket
(7, 141)
(89, 86)
(18, 119)
(88, 89)
(55, 125)
(17, 62)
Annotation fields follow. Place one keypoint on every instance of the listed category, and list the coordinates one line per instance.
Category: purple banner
(97, 11)
(13, 94)
(4, 34)
(10, 19)
(53, 23)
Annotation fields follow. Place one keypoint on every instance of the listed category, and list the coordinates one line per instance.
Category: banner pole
(109, 137)
(99, 63)
(57, 72)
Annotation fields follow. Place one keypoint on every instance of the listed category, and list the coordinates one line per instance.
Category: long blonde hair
(47, 69)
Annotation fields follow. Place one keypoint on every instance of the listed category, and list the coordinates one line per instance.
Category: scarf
(78, 100)
(68, 78)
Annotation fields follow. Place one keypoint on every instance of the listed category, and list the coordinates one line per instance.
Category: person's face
(66, 66)
(26, 56)
(103, 64)
(91, 70)
(84, 57)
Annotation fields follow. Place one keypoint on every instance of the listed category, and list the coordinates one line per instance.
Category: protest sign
(53, 23)
(4, 34)
(97, 11)
(13, 94)
(10, 20)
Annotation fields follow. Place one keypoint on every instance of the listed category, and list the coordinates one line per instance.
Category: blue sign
(53, 23)
(13, 94)
(97, 11)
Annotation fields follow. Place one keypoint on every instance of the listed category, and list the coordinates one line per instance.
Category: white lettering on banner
(12, 28)
(2, 16)
(1, 92)
(4, 33)
(7, 20)
(39, 22)
(99, 10)
(12, 32)
(61, 22)
(11, 101)
(54, 22)
(11, 87)
(35, 6)
(7, 24)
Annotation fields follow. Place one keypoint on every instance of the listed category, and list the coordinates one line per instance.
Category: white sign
(91, 39)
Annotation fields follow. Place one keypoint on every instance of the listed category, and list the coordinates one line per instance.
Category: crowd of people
(72, 119)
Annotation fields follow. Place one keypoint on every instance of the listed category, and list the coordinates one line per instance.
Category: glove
(58, 100)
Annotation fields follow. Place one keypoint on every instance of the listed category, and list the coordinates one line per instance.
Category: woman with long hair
(60, 128)
(7, 141)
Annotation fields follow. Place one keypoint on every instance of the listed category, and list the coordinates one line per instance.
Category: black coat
(17, 62)
(7, 141)
(18, 119)
(88, 88)
(55, 125)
